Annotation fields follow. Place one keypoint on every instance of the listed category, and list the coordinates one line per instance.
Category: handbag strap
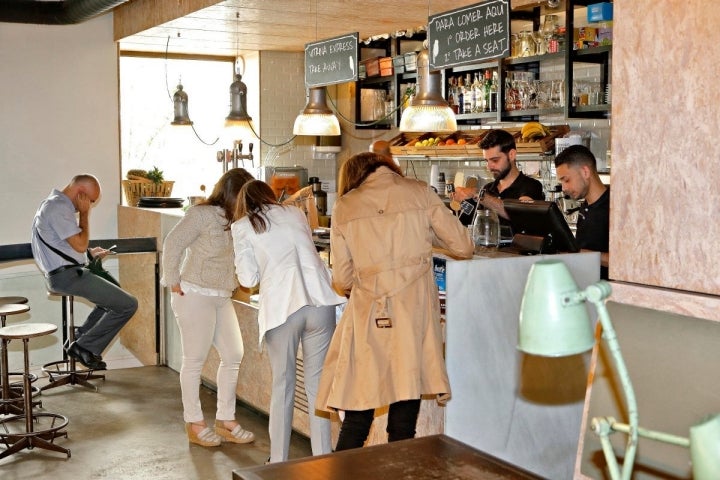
(63, 255)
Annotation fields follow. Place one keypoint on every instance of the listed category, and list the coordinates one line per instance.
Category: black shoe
(85, 357)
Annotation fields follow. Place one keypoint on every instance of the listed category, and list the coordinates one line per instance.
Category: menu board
(331, 61)
(470, 34)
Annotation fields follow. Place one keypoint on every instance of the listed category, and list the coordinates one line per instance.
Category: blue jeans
(113, 305)
(402, 420)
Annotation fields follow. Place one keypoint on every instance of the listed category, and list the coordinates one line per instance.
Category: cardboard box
(411, 61)
(604, 36)
(600, 12)
(372, 67)
(585, 34)
(386, 66)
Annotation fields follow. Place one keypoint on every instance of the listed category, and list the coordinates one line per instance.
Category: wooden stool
(54, 423)
(66, 371)
(11, 399)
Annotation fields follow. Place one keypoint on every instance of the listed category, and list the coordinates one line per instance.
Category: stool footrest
(15, 441)
(62, 373)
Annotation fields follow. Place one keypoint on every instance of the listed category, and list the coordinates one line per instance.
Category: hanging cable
(172, 97)
(404, 98)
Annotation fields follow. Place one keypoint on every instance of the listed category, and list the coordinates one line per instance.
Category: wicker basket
(134, 189)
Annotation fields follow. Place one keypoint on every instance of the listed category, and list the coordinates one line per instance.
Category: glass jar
(527, 44)
(514, 45)
(486, 228)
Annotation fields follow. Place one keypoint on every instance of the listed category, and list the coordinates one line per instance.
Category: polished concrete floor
(132, 428)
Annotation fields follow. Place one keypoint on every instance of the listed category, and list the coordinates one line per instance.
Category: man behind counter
(499, 150)
(576, 169)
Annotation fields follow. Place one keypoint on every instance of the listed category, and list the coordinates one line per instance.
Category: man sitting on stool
(59, 244)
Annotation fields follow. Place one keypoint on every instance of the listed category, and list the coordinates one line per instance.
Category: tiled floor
(132, 428)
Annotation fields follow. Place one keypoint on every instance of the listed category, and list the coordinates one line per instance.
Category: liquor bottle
(486, 91)
(469, 95)
(460, 95)
(453, 94)
(479, 97)
(494, 92)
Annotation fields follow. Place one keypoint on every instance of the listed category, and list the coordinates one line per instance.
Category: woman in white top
(198, 267)
(274, 248)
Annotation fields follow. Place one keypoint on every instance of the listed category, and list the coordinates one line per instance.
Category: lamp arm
(601, 427)
(596, 294)
(650, 434)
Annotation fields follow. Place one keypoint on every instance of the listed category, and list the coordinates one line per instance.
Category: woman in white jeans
(198, 266)
(274, 247)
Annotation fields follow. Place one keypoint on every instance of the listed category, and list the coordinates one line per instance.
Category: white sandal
(236, 435)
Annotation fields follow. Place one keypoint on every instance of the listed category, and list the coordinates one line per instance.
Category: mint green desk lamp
(554, 322)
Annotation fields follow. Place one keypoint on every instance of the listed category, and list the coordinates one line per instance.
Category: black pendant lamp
(238, 102)
(180, 107)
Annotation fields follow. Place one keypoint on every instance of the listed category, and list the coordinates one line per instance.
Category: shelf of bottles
(473, 92)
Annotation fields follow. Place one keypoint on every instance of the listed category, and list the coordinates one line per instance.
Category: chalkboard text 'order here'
(473, 33)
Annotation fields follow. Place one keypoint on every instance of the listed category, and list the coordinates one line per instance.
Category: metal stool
(50, 425)
(11, 399)
(66, 371)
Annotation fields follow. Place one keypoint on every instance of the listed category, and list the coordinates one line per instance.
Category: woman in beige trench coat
(387, 348)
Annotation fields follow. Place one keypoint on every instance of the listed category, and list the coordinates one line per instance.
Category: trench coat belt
(384, 267)
(399, 263)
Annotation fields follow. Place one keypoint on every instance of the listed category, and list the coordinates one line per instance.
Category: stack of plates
(160, 202)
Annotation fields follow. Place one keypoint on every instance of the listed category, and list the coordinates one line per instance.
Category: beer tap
(233, 157)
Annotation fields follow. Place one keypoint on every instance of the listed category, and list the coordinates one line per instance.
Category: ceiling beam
(139, 15)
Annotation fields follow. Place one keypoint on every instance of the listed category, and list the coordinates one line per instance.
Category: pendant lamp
(317, 119)
(180, 107)
(238, 102)
(428, 112)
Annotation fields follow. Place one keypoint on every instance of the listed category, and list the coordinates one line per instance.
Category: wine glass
(548, 28)
(540, 42)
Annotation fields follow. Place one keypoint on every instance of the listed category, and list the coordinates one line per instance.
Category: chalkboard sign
(331, 61)
(469, 34)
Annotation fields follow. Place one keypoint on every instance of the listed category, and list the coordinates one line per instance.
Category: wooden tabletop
(424, 458)
(26, 330)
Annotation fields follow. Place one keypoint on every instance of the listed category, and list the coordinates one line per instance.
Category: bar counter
(503, 403)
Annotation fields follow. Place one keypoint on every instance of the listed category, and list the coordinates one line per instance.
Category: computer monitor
(539, 227)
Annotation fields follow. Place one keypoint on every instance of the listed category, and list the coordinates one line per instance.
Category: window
(148, 140)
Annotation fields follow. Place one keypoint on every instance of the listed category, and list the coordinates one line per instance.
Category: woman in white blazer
(274, 248)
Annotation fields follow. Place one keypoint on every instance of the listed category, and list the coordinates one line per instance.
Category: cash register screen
(538, 218)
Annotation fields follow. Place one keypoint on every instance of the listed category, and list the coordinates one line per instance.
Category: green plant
(156, 175)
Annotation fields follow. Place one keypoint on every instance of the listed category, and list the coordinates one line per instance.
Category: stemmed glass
(540, 42)
(548, 28)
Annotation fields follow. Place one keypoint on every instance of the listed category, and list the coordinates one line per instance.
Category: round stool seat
(4, 300)
(26, 330)
(13, 309)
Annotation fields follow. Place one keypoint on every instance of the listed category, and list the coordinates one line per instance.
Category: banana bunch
(533, 130)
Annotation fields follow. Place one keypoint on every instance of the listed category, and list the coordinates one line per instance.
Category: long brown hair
(254, 199)
(226, 190)
(357, 168)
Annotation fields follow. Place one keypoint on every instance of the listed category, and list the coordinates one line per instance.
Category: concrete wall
(59, 117)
